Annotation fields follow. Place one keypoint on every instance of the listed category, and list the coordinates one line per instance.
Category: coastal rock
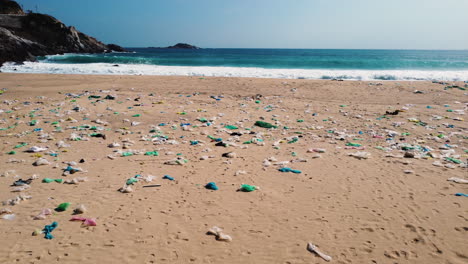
(115, 47)
(10, 7)
(24, 36)
(182, 46)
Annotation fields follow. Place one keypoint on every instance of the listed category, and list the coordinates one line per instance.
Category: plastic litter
(360, 155)
(76, 180)
(86, 221)
(62, 207)
(48, 230)
(167, 177)
(36, 149)
(9, 217)
(314, 249)
(248, 188)
(49, 180)
(211, 186)
(286, 169)
(265, 124)
(18, 199)
(41, 162)
(219, 234)
(80, 209)
(457, 180)
(43, 214)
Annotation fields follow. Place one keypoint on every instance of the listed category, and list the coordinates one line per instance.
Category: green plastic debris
(62, 207)
(294, 140)
(94, 97)
(152, 153)
(257, 101)
(49, 180)
(231, 127)
(33, 122)
(127, 154)
(351, 144)
(407, 148)
(131, 181)
(300, 120)
(21, 145)
(137, 115)
(247, 188)
(457, 161)
(203, 120)
(264, 124)
(6, 128)
(11, 152)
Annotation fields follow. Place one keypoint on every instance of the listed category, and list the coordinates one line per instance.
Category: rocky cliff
(24, 36)
(10, 7)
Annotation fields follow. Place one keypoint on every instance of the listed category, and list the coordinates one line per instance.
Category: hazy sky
(366, 24)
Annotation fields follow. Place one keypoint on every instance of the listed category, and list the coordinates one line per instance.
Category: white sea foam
(140, 69)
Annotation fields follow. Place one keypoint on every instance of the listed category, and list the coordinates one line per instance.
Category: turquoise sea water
(263, 63)
(283, 58)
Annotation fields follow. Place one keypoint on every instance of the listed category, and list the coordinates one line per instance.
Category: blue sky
(366, 24)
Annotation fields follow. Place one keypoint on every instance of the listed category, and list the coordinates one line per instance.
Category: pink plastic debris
(86, 221)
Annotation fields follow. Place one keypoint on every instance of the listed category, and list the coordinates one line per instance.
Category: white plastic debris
(360, 155)
(220, 236)
(41, 162)
(457, 180)
(313, 248)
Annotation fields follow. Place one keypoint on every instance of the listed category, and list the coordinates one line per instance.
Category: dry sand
(356, 211)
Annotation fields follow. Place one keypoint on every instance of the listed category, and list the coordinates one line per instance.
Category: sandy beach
(369, 187)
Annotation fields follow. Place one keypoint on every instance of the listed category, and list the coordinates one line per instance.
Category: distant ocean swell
(251, 72)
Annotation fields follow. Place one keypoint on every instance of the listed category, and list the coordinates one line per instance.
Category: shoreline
(245, 72)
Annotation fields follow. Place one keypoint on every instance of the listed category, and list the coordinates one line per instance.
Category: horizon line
(466, 49)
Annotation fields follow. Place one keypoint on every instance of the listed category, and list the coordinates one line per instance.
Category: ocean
(262, 63)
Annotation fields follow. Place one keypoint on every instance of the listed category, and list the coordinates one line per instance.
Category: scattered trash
(218, 233)
(360, 155)
(457, 180)
(167, 177)
(248, 188)
(41, 162)
(86, 221)
(313, 248)
(80, 209)
(286, 169)
(43, 214)
(47, 231)
(48, 180)
(62, 207)
(211, 186)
